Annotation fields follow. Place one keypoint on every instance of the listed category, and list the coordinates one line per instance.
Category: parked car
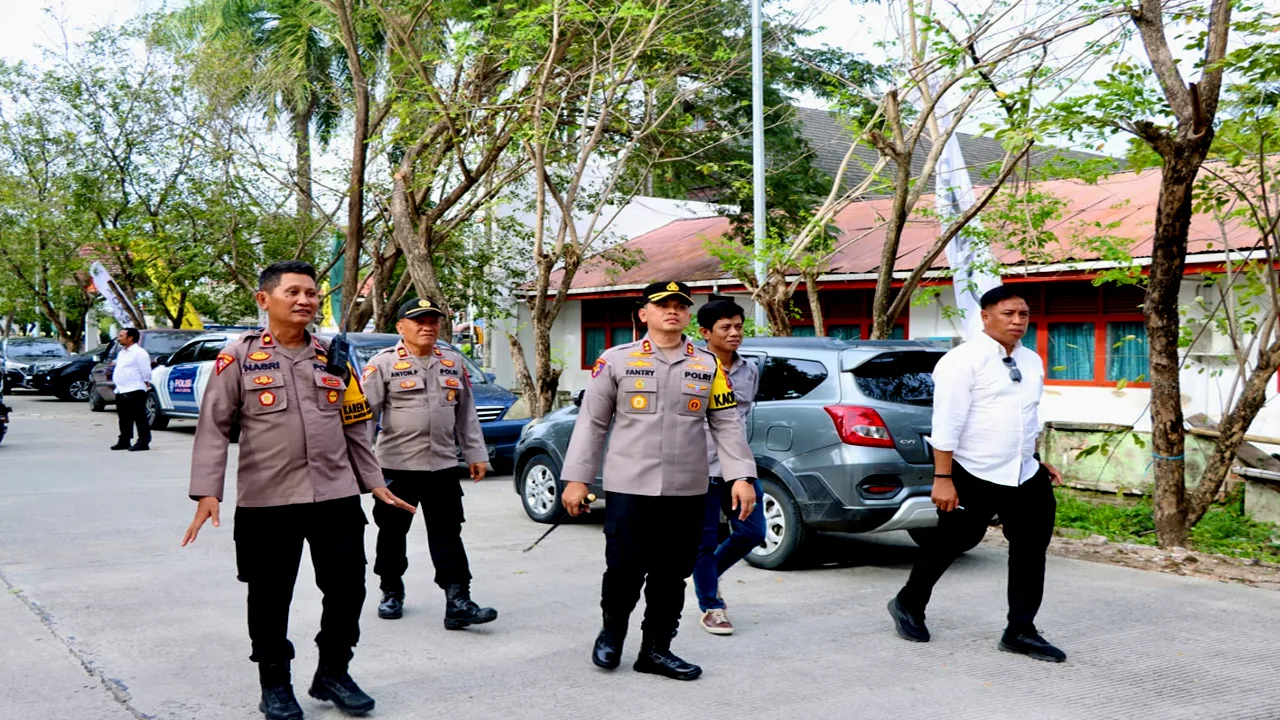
(839, 431)
(503, 414)
(68, 379)
(178, 383)
(21, 354)
(159, 344)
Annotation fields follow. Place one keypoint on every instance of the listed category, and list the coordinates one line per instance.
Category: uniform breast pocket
(641, 402)
(694, 397)
(406, 393)
(449, 389)
(264, 393)
(330, 389)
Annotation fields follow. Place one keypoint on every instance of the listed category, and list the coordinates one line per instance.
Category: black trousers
(439, 494)
(1027, 515)
(131, 409)
(650, 542)
(268, 551)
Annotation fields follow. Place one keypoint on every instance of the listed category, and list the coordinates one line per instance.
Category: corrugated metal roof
(1120, 206)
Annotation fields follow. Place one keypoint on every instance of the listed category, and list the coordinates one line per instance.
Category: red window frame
(612, 310)
(1084, 303)
(844, 307)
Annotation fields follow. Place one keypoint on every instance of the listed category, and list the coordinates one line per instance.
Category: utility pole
(759, 217)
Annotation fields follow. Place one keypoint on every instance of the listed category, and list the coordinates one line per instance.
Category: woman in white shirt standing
(132, 377)
(985, 423)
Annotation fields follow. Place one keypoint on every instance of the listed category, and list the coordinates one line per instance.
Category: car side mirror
(577, 399)
(162, 360)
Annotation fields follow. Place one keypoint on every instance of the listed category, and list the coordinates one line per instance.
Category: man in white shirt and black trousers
(132, 378)
(985, 425)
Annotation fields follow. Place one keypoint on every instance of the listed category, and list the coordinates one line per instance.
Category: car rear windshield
(165, 343)
(898, 377)
(34, 348)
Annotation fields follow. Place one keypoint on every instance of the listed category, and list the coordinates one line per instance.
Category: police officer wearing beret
(656, 395)
(421, 397)
(304, 461)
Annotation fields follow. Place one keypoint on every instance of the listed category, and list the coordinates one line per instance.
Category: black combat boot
(607, 652)
(332, 683)
(656, 658)
(278, 702)
(392, 606)
(460, 611)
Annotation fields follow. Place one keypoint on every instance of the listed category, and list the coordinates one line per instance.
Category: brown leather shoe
(716, 622)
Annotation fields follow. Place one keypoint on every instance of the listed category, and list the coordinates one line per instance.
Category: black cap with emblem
(663, 289)
(415, 309)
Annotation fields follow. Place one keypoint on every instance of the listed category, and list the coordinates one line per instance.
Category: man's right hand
(205, 509)
(574, 498)
(944, 494)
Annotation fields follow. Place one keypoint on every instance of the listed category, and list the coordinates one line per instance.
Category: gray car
(839, 430)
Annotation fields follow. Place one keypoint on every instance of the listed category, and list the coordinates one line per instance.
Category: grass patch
(1225, 529)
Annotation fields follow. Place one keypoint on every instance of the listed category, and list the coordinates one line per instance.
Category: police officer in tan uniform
(304, 461)
(656, 394)
(421, 397)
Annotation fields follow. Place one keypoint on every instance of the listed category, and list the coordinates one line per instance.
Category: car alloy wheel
(540, 490)
(151, 410)
(79, 390)
(775, 527)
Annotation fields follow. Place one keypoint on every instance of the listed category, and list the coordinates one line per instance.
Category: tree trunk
(882, 324)
(417, 256)
(548, 375)
(777, 304)
(815, 307)
(302, 157)
(524, 380)
(1168, 259)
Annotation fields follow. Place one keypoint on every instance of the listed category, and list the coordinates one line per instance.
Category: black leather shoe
(910, 626)
(122, 445)
(337, 687)
(392, 606)
(139, 448)
(607, 652)
(659, 660)
(461, 612)
(1030, 643)
(278, 702)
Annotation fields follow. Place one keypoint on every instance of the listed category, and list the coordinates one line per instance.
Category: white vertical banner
(112, 296)
(955, 196)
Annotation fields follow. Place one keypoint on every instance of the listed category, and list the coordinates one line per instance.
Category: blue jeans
(744, 535)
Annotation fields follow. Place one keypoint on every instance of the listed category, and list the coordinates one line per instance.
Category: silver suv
(839, 430)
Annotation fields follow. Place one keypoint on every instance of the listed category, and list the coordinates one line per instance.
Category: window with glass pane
(1071, 351)
(802, 331)
(1127, 357)
(620, 336)
(788, 379)
(594, 345)
(846, 332)
(1030, 340)
(899, 332)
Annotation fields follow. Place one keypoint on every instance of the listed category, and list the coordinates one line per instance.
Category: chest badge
(447, 363)
(640, 363)
(640, 384)
(451, 396)
(639, 402)
(695, 405)
(404, 365)
(696, 366)
(695, 387)
(452, 382)
(331, 381)
(259, 356)
(263, 380)
(322, 359)
(267, 398)
(333, 397)
(408, 383)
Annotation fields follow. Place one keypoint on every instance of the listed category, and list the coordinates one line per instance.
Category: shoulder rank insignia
(259, 356)
(401, 352)
(225, 360)
(597, 368)
(688, 349)
(646, 347)
(438, 353)
(267, 341)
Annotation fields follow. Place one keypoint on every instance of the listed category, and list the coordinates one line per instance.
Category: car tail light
(858, 425)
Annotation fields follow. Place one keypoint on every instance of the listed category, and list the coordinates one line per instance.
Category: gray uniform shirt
(303, 432)
(745, 378)
(657, 408)
(425, 409)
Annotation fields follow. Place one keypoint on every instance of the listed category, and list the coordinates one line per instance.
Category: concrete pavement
(103, 616)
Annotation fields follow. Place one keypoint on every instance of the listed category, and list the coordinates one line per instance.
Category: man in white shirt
(132, 377)
(985, 424)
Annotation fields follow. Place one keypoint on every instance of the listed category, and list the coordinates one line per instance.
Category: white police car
(177, 386)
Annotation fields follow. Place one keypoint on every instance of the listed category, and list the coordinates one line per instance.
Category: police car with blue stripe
(177, 385)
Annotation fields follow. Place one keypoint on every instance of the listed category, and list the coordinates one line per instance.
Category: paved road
(104, 617)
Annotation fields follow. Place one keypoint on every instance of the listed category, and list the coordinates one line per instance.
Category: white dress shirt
(981, 415)
(133, 369)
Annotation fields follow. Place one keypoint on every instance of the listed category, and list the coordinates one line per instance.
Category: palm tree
(298, 70)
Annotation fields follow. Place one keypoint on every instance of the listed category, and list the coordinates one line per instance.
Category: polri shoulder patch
(223, 361)
(598, 368)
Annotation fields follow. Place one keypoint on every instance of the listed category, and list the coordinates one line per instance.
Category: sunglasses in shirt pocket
(264, 393)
